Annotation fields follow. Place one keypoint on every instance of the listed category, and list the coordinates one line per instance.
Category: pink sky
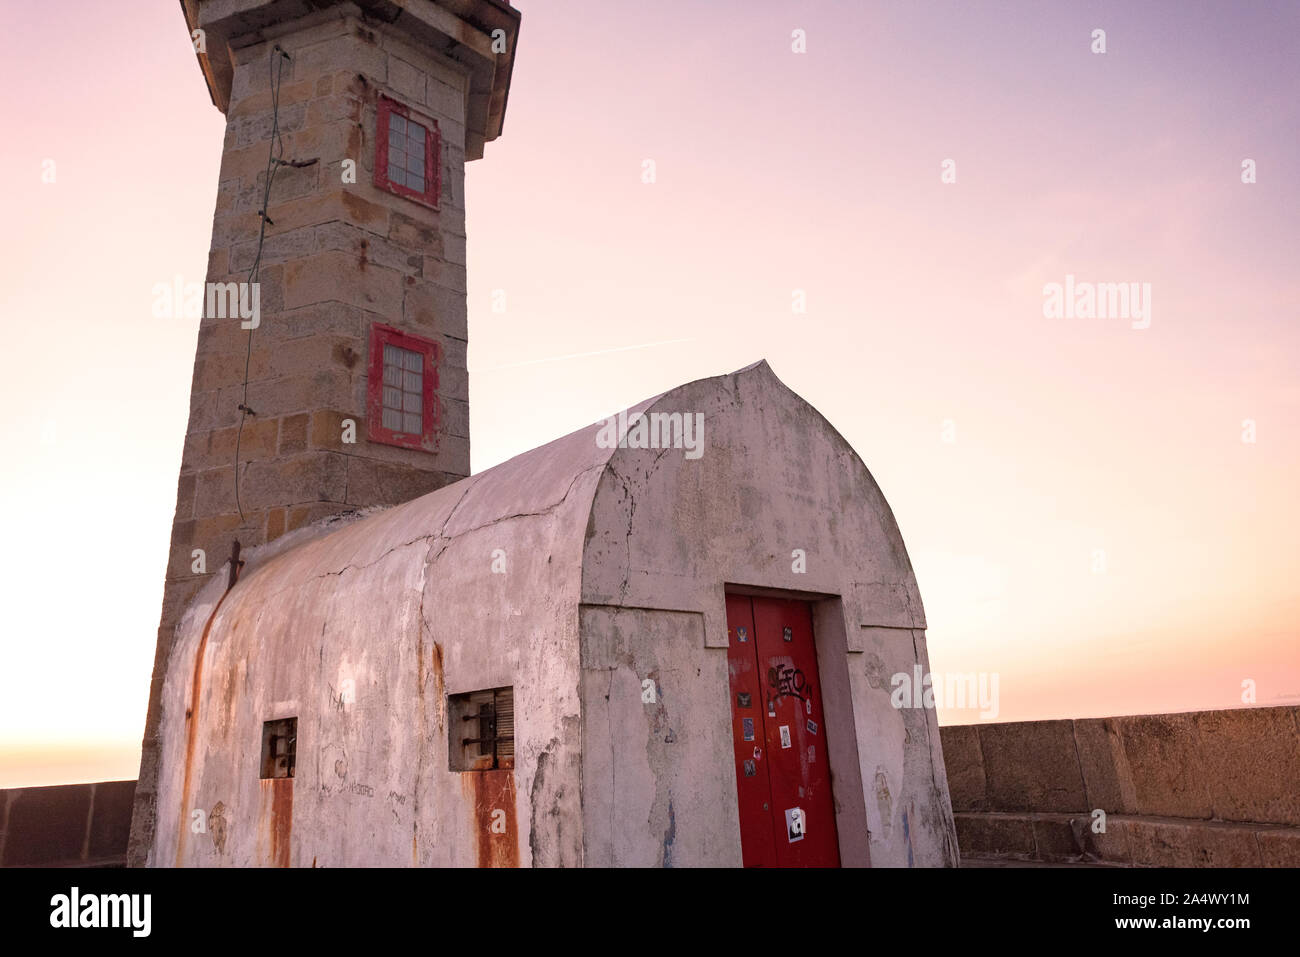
(776, 171)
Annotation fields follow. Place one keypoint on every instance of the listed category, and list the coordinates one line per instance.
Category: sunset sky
(1083, 515)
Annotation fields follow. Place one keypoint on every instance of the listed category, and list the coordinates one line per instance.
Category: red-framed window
(401, 405)
(408, 153)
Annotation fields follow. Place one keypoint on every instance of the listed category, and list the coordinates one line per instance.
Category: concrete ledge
(1127, 841)
(1234, 766)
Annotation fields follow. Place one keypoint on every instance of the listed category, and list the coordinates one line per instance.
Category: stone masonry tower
(340, 377)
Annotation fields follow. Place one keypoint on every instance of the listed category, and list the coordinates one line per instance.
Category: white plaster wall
(379, 602)
(668, 532)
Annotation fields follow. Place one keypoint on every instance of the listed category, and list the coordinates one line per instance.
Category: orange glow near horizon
(1083, 516)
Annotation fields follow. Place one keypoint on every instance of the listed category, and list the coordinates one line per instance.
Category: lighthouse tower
(330, 371)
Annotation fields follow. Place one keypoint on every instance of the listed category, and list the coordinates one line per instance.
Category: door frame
(830, 641)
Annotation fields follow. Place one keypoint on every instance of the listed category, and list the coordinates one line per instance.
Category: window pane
(414, 361)
(415, 130)
(410, 402)
(415, 181)
(414, 424)
(415, 146)
(393, 375)
(392, 420)
(392, 398)
(411, 382)
(414, 165)
(396, 123)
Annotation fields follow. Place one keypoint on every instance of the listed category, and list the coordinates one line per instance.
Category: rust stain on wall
(191, 731)
(439, 685)
(275, 825)
(437, 666)
(492, 801)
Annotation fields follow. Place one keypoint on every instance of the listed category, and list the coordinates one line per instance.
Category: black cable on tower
(273, 162)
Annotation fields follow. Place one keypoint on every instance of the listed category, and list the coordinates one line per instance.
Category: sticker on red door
(794, 824)
(785, 736)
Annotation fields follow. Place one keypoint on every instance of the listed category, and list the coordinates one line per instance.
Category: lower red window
(401, 404)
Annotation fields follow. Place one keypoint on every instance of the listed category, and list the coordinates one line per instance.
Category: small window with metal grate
(407, 153)
(402, 407)
(482, 730)
(279, 748)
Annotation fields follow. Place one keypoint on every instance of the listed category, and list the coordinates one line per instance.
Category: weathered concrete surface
(667, 534)
(616, 563)
(70, 825)
(1206, 788)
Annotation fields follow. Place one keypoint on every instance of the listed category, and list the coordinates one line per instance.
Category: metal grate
(279, 748)
(485, 727)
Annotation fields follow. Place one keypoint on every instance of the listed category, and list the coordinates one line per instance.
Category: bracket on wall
(235, 565)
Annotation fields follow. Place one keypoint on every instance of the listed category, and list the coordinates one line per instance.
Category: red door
(787, 816)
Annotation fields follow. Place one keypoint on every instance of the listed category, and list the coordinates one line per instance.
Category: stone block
(418, 233)
(366, 247)
(1191, 844)
(327, 430)
(185, 496)
(454, 418)
(216, 449)
(1251, 760)
(260, 101)
(1111, 845)
(293, 434)
(312, 476)
(1107, 781)
(300, 393)
(337, 276)
(325, 318)
(360, 54)
(445, 274)
(994, 835)
(964, 767)
(214, 492)
(1279, 848)
(256, 128)
(1054, 839)
(1031, 766)
(1169, 777)
(372, 482)
(429, 308)
(292, 244)
(275, 522)
(407, 81)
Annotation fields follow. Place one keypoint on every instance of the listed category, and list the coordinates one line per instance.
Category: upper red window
(407, 155)
(401, 408)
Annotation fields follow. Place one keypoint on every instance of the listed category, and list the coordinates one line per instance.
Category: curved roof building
(666, 639)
